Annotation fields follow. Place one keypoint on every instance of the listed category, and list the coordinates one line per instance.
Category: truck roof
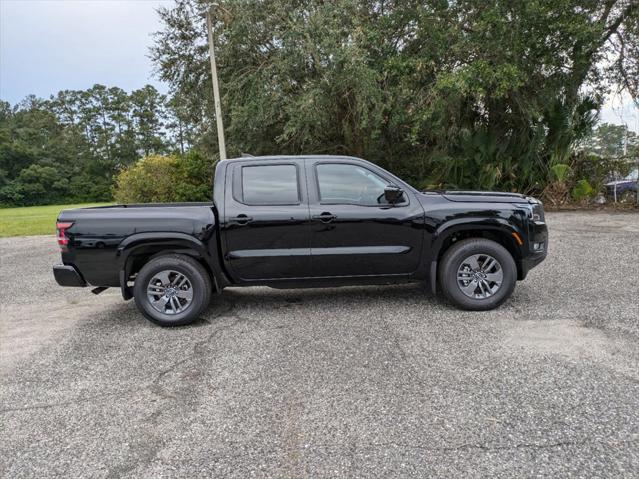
(300, 157)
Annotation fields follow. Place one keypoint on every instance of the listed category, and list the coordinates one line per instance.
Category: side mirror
(393, 194)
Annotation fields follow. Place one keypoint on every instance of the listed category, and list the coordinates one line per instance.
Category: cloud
(47, 46)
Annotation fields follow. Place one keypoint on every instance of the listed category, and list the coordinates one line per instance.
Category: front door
(266, 220)
(355, 232)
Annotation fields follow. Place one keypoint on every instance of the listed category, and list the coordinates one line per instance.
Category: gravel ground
(349, 382)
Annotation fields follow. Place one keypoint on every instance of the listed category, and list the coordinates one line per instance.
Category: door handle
(242, 219)
(325, 217)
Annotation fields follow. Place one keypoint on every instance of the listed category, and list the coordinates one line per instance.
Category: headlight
(538, 212)
(535, 209)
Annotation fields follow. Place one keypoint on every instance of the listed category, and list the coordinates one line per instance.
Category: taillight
(61, 235)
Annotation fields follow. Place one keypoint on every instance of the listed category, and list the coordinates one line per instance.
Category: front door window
(350, 185)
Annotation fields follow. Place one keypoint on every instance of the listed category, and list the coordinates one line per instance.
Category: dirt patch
(27, 328)
(569, 339)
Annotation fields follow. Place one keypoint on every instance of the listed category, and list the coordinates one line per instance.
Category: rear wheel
(172, 290)
(477, 274)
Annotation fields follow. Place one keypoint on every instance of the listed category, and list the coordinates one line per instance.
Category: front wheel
(477, 274)
(172, 290)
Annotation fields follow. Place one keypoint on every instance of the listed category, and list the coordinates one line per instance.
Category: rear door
(355, 232)
(266, 220)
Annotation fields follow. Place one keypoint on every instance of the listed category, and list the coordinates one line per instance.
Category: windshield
(634, 175)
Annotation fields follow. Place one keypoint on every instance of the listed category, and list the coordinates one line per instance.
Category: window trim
(404, 203)
(238, 183)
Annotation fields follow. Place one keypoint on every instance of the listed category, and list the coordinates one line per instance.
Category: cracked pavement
(347, 382)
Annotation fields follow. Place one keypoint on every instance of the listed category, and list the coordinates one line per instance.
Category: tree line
(69, 148)
(465, 93)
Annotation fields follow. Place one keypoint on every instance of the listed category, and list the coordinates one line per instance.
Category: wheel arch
(137, 250)
(501, 232)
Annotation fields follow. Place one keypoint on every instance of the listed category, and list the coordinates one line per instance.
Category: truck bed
(98, 233)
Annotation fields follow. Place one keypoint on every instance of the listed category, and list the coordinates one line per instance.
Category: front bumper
(620, 189)
(67, 275)
(530, 262)
(537, 235)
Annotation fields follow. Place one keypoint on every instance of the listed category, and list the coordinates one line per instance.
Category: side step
(99, 289)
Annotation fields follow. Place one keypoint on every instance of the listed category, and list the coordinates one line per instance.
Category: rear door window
(270, 185)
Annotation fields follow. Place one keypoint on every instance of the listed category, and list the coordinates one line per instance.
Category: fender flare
(449, 228)
(157, 243)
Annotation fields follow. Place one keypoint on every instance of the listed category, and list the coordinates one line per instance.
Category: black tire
(200, 287)
(457, 255)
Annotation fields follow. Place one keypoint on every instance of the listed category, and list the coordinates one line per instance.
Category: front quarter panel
(445, 218)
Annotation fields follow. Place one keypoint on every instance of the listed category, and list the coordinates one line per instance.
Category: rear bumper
(67, 275)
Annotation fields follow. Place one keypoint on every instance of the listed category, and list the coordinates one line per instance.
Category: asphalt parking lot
(348, 382)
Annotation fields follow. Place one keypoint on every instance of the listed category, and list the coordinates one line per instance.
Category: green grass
(32, 220)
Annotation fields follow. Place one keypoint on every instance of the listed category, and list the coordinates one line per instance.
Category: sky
(52, 45)
(619, 109)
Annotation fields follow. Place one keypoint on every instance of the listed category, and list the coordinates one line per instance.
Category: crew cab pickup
(303, 221)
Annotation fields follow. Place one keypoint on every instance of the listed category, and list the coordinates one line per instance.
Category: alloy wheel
(170, 292)
(480, 276)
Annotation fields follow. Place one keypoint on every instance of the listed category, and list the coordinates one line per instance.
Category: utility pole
(216, 88)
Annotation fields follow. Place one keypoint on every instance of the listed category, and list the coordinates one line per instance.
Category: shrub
(582, 191)
(84, 188)
(556, 192)
(164, 179)
(35, 185)
(560, 172)
(598, 170)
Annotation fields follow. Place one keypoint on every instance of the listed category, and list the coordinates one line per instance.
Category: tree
(148, 115)
(470, 93)
(70, 147)
(613, 141)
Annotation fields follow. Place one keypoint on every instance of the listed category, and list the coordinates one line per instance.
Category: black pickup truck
(303, 221)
